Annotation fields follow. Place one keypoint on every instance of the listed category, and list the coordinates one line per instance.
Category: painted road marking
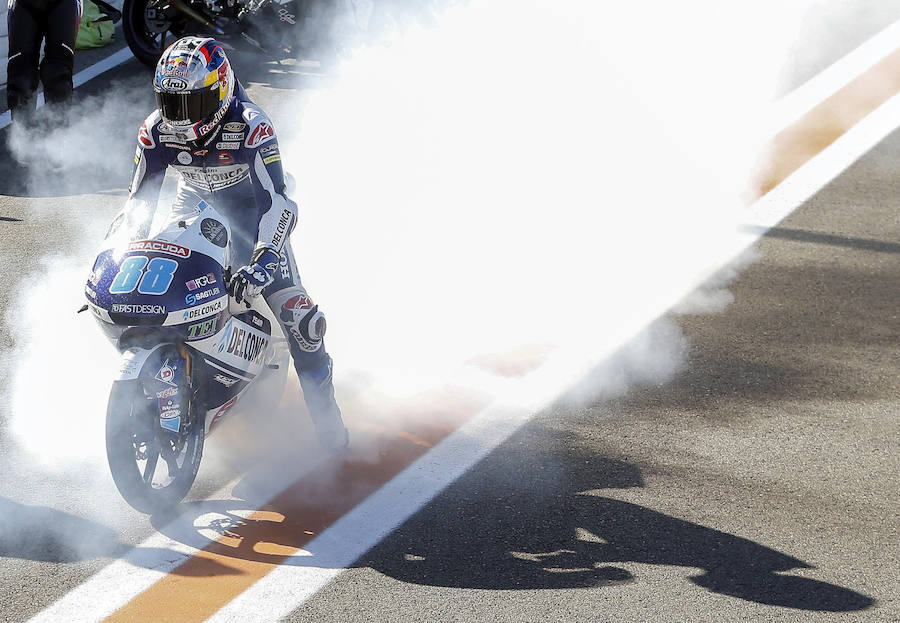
(290, 585)
(281, 533)
(111, 61)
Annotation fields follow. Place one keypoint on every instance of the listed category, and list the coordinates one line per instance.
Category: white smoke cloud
(528, 174)
(524, 184)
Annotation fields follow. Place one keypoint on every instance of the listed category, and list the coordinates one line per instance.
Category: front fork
(167, 376)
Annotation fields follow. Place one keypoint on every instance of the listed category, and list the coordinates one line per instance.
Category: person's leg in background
(25, 36)
(63, 19)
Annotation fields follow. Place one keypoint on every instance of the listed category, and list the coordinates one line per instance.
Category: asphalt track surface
(759, 484)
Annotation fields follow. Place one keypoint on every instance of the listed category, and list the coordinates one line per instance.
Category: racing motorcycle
(270, 26)
(158, 290)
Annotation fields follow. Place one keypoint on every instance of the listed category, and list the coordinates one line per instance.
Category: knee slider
(303, 322)
(313, 323)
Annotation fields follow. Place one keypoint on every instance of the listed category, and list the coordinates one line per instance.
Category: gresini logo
(159, 246)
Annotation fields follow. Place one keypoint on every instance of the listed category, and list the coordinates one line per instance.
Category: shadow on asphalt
(554, 529)
(49, 535)
(496, 529)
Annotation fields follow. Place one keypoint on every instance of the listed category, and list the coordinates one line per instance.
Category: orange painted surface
(798, 143)
(281, 528)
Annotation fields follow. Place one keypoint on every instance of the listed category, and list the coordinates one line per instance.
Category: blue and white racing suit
(236, 167)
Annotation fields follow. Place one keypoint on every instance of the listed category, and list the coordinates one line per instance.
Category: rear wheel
(153, 468)
(150, 26)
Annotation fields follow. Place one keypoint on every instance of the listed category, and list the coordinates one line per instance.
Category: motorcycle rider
(226, 151)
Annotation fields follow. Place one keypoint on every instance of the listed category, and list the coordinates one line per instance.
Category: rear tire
(139, 451)
(148, 42)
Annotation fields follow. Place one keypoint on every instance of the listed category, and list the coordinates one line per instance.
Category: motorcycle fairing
(174, 277)
(239, 348)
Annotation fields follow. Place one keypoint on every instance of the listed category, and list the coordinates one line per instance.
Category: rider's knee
(302, 321)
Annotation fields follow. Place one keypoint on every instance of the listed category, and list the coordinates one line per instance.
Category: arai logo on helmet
(173, 84)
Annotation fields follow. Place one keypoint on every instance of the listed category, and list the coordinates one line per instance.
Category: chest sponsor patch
(232, 136)
(228, 145)
(184, 157)
(214, 178)
(234, 126)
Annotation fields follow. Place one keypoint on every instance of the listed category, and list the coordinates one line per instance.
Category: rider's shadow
(536, 522)
(527, 520)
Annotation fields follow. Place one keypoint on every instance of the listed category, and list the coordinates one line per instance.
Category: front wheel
(149, 26)
(153, 468)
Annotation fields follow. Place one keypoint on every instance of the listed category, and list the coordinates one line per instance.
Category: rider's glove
(250, 281)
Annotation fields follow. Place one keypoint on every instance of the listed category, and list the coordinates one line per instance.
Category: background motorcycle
(188, 351)
(279, 28)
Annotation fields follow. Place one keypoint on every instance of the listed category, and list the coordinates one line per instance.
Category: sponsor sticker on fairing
(137, 309)
(224, 380)
(200, 282)
(168, 409)
(206, 310)
(203, 329)
(199, 297)
(167, 392)
(243, 344)
(166, 374)
(160, 246)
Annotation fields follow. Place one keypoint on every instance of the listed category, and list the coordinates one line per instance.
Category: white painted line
(828, 82)
(117, 583)
(288, 586)
(113, 60)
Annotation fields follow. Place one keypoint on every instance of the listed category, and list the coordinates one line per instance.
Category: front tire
(152, 468)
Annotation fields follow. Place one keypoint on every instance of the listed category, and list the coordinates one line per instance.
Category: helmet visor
(193, 106)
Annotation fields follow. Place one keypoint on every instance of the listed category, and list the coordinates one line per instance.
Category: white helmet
(194, 85)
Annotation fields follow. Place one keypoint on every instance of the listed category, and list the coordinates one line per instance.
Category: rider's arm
(277, 213)
(149, 164)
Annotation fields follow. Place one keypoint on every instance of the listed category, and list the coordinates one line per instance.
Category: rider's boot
(318, 392)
